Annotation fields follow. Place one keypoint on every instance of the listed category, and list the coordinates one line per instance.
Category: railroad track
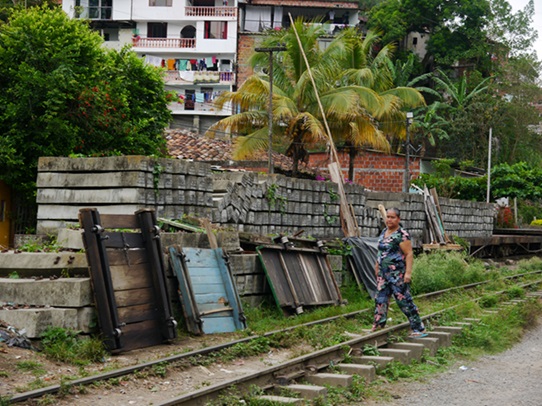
(305, 368)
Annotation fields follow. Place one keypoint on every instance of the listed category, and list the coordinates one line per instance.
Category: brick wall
(374, 170)
(245, 48)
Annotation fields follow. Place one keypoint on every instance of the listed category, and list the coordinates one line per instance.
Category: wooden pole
(348, 220)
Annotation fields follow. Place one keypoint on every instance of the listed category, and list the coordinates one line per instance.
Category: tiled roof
(184, 144)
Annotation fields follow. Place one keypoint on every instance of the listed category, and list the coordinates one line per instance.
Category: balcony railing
(191, 11)
(164, 42)
(199, 77)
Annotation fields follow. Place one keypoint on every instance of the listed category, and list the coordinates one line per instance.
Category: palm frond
(245, 147)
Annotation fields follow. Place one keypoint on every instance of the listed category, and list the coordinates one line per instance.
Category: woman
(394, 273)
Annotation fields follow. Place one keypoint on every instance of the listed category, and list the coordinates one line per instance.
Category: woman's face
(392, 220)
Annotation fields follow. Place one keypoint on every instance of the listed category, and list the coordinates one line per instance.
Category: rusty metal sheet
(299, 277)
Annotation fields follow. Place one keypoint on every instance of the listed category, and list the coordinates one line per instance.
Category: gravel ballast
(511, 378)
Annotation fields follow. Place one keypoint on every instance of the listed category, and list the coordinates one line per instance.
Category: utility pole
(270, 107)
(406, 179)
(489, 165)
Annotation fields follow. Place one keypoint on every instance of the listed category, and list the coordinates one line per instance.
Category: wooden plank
(126, 277)
(212, 325)
(138, 313)
(123, 240)
(134, 297)
(143, 334)
(348, 220)
(119, 221)
(210, 234)
(131, 256)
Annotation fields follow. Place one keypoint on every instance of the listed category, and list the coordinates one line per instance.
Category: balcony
(191, 11)
(164, 42)
(175, 77)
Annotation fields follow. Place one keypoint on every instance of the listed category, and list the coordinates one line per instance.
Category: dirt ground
(144, 389)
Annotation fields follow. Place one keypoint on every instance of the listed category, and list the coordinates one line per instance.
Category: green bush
(65, 345)
(443, 270)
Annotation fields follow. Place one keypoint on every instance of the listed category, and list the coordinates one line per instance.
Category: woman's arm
(406, 247)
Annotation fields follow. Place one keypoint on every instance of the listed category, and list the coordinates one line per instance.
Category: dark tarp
(363, 260)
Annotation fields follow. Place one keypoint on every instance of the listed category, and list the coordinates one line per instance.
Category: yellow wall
(5, 209)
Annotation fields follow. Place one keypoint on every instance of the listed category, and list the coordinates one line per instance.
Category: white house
(195, 41)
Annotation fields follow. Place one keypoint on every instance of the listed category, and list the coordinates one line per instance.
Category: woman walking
(394, 273)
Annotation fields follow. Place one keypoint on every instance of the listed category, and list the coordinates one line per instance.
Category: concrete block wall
(244, 201)
(116, 185)
(462, 218)
(272, 204)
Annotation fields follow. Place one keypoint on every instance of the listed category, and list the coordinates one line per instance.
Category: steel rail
(303, 365)
(204, 351)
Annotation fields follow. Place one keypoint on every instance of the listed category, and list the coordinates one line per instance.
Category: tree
(512, 31)
(456, 29)
(62, 93)
(354, 89)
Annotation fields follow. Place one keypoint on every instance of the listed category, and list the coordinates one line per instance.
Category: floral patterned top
(390, 257)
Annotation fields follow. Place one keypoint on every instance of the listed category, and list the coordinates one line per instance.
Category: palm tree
(375, 70)
(354, 96)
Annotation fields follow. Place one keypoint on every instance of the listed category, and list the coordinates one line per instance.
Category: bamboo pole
(348, 220)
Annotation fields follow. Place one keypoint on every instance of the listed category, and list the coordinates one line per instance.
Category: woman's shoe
(418, 334)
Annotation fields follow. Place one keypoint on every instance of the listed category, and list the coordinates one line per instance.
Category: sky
(537, 20)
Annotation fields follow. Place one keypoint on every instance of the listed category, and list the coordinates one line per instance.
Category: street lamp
(270, 107)
(406, 180)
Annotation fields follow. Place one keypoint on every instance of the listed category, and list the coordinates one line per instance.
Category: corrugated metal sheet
(299, 277)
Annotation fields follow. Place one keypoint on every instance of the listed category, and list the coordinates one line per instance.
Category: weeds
(65, 345)
(31, 366)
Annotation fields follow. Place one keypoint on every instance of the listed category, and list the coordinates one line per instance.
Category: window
(216, 30)
(100, 9)
(160, 3)
(157, 30)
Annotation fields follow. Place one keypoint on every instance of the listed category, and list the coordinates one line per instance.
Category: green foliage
(515, 292)
(519, 180)
(488, 301)
(442, 270)
(62, 93)
(275, 199)
(498, 332)
(65, 345)
(13, 275)
(31, 366)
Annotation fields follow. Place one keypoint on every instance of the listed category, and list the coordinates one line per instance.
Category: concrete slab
(430, 343)
(308, 391)
(70, 239)
(416, 349)
(36, 321)
(339, 380)
(463, 324)
(377, 361)
(280, 399)
(453, 330)
(63, 292)
(42, 260)
(445, 339)
(368, 372)
(399, 355)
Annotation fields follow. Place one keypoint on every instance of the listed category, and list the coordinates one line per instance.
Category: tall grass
(443, 270)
